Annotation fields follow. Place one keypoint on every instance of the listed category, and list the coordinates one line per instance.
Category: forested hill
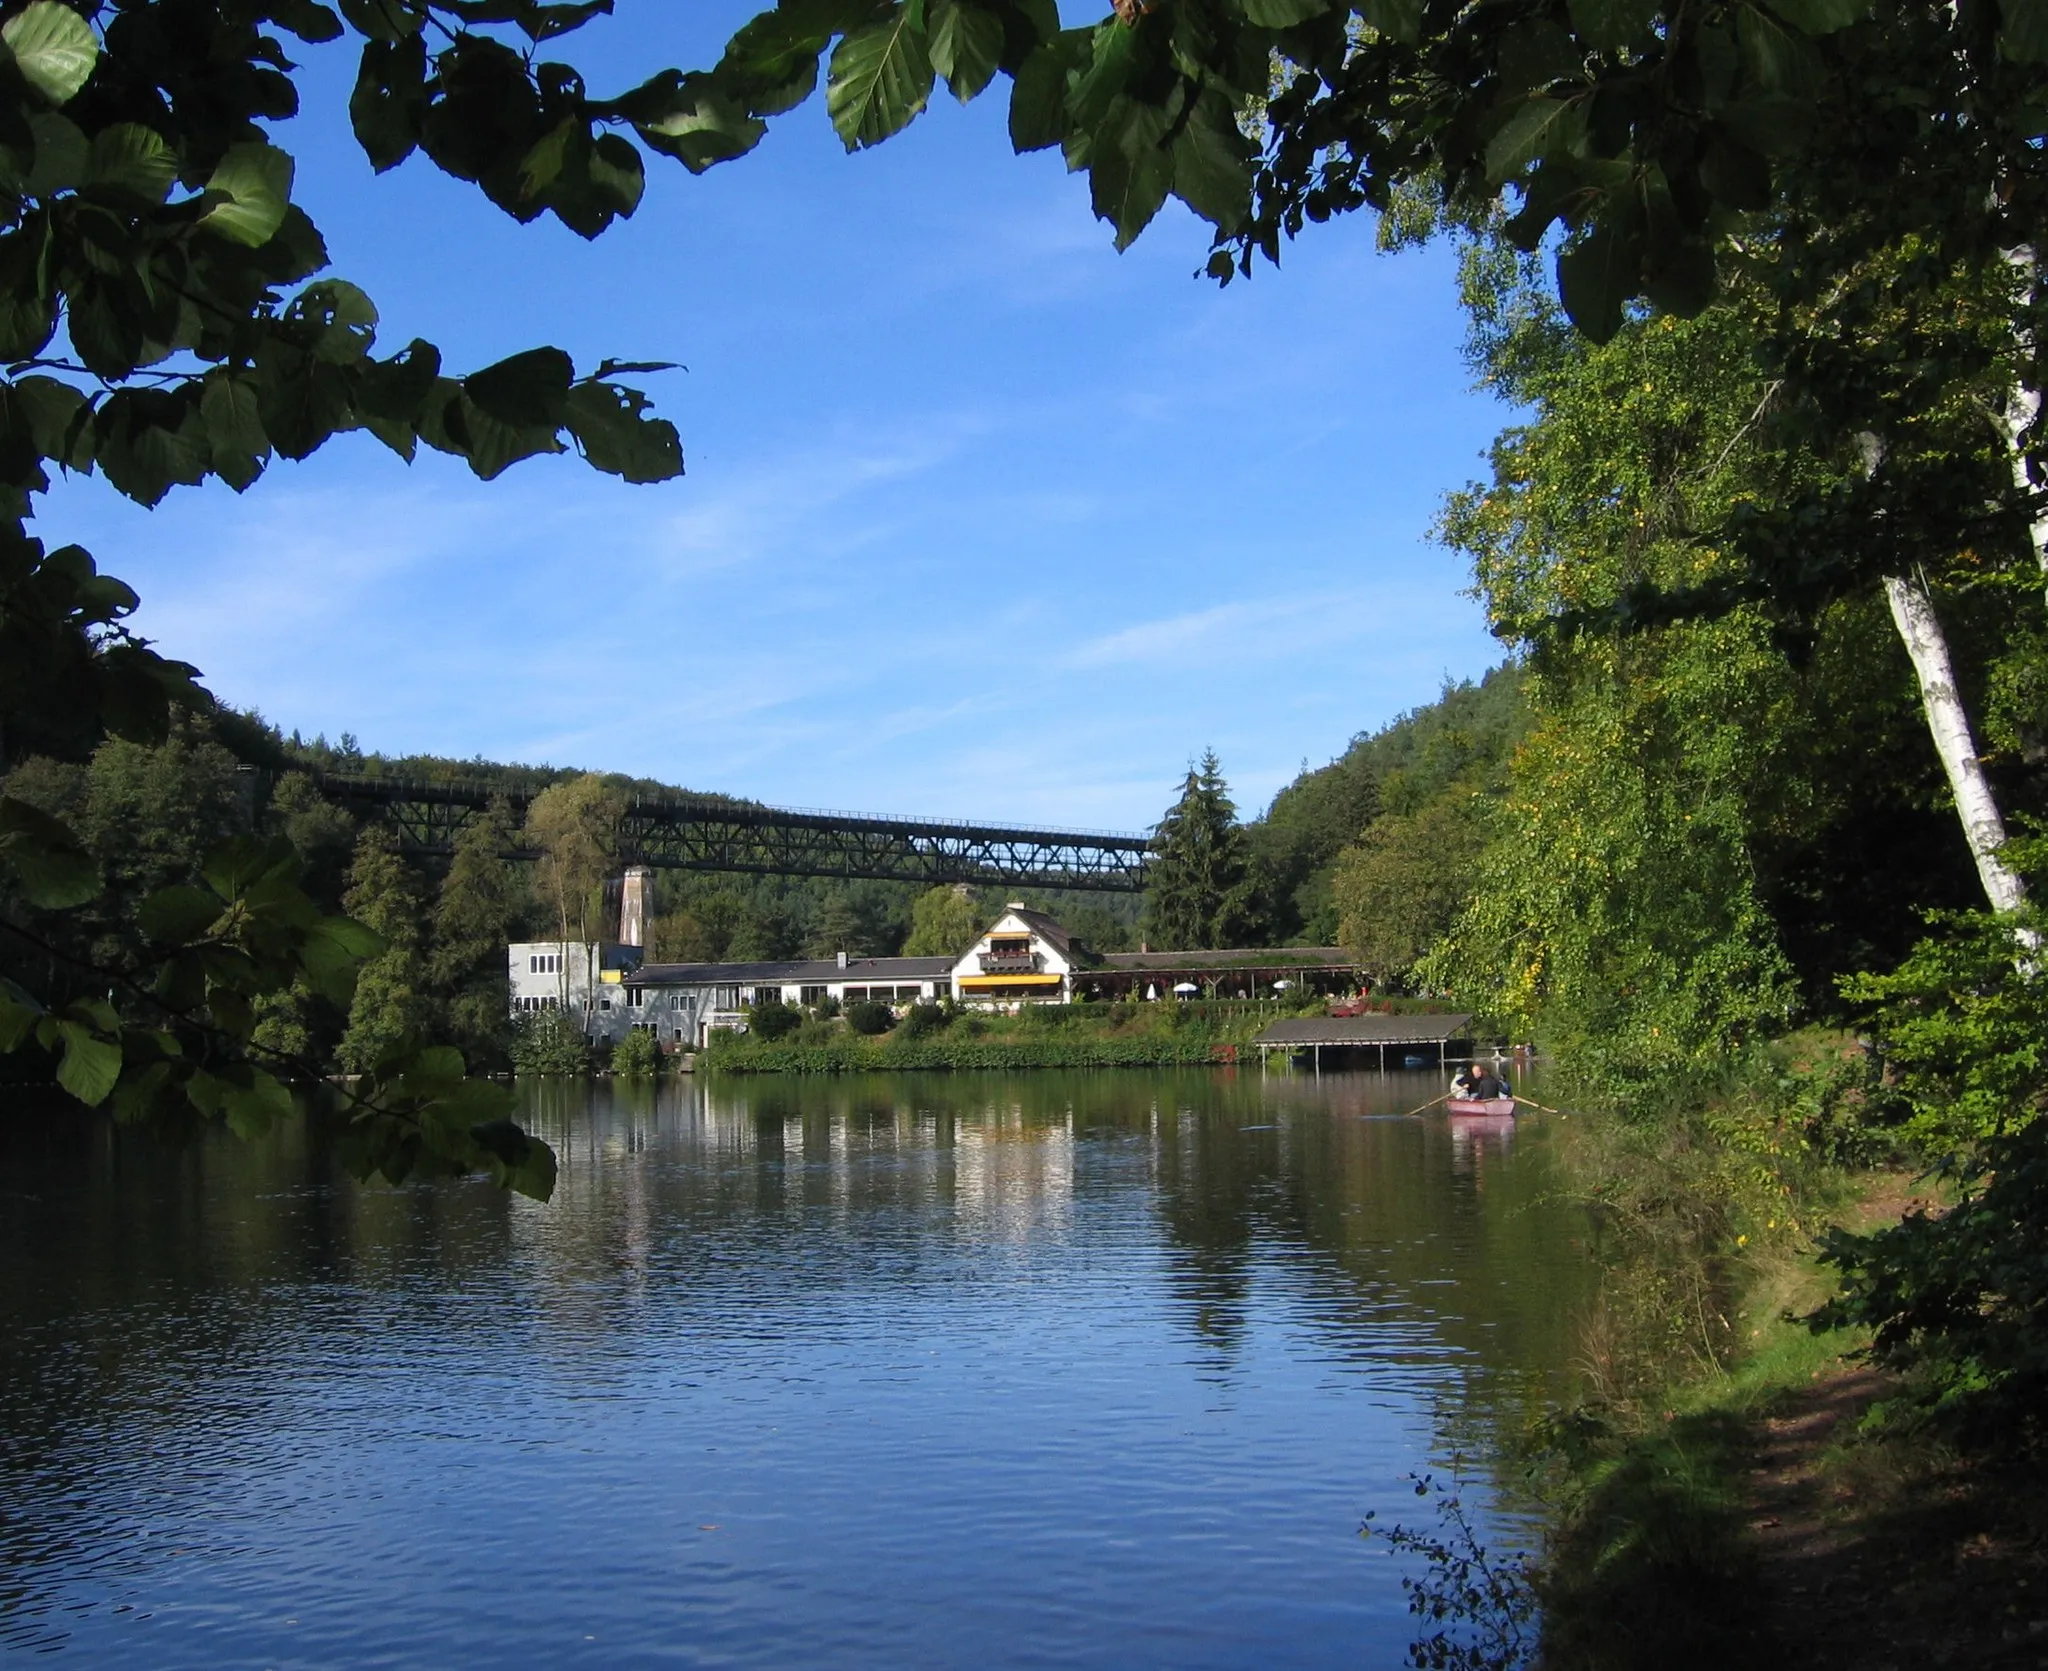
(1463, 737)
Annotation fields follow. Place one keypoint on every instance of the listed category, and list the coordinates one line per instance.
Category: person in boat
(1479, 1083)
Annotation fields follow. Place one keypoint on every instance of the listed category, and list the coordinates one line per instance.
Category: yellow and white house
(1022, 955)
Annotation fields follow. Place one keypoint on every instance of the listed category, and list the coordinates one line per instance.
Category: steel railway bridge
(693, 832)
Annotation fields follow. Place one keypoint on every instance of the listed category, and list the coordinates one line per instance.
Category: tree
(165, 318)
(479, 906)
(385, 896)
(944, 922)
(1401, 888)
(575, 824)
(1195, 887)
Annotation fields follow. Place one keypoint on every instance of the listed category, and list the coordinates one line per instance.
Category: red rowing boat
(1495, 1106)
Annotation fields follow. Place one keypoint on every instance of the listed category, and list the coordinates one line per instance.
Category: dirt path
(1875, 1557)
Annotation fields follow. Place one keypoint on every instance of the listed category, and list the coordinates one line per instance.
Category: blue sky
(981, 518)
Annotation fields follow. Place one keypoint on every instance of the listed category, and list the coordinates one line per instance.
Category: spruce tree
(480, 905)
(384, 896)
(1195, 890)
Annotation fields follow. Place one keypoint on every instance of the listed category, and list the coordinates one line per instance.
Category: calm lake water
(979, 1370)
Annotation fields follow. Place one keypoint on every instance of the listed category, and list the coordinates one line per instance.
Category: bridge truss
(685, 832)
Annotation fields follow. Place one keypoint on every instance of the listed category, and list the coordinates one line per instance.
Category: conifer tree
(474, 919)
(384, 896)
(1196, 887)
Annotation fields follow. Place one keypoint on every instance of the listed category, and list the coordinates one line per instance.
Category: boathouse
(1371, 1040)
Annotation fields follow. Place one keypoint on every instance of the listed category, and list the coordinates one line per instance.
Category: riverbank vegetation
(941, 1037)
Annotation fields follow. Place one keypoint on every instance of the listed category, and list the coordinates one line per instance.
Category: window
(811, 995)
(854, 995)
(767, 994)
(604, 1003)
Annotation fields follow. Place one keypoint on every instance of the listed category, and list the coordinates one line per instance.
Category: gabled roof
(1048, 929)
(804, 971)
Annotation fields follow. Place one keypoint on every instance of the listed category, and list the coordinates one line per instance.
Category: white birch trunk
(1920, 629)
(2023, 409)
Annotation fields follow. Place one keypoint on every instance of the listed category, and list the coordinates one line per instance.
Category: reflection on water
(1091, 1369)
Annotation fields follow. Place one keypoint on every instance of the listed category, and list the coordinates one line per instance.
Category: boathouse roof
(1368, 1030)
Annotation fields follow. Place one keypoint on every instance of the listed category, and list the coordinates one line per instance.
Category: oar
(1433, 1101)
(1544, 1106)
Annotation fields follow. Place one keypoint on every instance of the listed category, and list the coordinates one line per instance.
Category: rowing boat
(1479, 1105)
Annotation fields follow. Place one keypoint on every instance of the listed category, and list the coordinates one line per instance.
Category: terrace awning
(983, 983)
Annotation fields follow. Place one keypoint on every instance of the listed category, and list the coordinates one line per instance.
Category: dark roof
(1253, 957)
(1369, 1029)
(811, 971)
(1046, 928)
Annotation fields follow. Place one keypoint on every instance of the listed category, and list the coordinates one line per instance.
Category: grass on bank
(1736, 1489)
(933, 1037)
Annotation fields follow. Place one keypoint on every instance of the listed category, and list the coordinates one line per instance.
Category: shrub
(548, 1044)
(870, 1016)
(921, 1019)
(635, 1056)
(773, 1020)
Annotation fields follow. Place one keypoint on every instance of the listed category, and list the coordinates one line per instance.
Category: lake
(1085, 1369)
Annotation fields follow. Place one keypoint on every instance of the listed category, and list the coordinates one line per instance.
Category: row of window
(538, 1004)
(544, 963)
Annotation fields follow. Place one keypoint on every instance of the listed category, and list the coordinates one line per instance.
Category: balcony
(1022, 961)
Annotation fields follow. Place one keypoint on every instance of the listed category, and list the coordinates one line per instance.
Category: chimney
(636, 906)
(842, 960)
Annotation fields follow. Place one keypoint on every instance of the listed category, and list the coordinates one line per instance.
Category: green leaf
(255, 182)
(1780, 61)
(2023, 30)
(63, 154)
(252, 1109)
(609, 425)
(880, 78)
(334, 949)
(1038, 101)
(53, 47)
(1535, 128)
(19, 1014)
(522, 1162)
(1129, 180)
(385, 20)
(1596, 275)
(493, 446)
(1820, 17)
(527, 391)
(90, 1066)
(1399, 19)
(306, 19)
(1283, 14)
(966, 46)
(344, 319)
(1609, 25)
(698, 125)
(28, 301)
(1212, 171)
(176, 915)
(232, 412)
(53, 869)
(134, 161)
(389, 102)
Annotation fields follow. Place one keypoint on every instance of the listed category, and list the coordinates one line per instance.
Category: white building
(574, 975)
(684, 1002)
(1023, 955)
